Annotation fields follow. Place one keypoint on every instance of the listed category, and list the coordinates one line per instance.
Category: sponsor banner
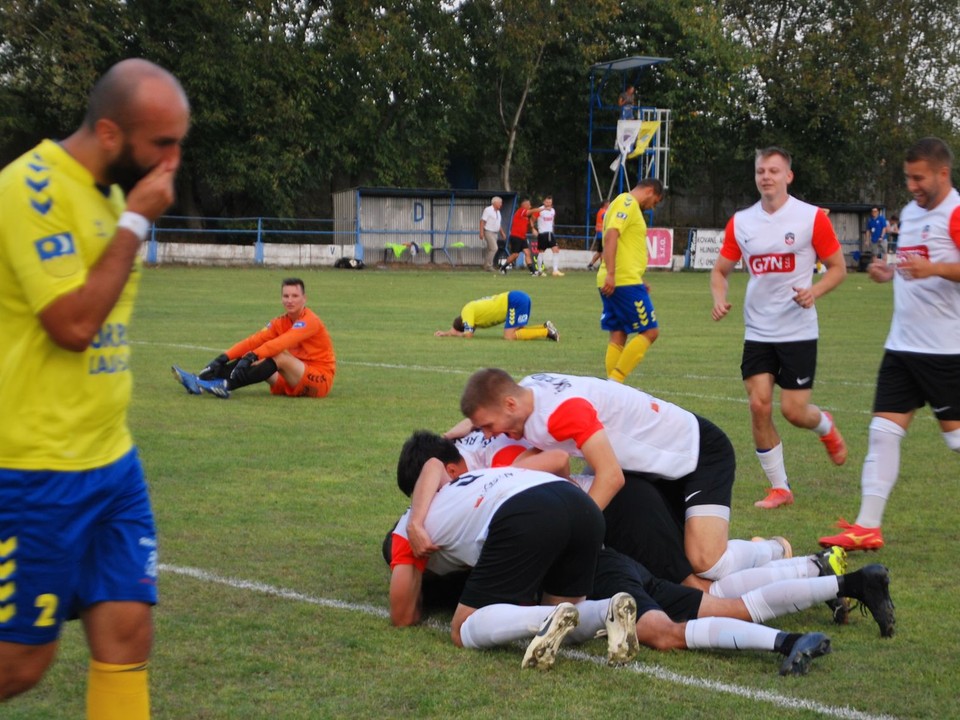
(659, 247)
(706, 249)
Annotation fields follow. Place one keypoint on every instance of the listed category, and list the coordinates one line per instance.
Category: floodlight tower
(638, 137)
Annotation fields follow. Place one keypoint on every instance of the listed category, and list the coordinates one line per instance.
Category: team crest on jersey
(58, 254)
(299, 324)
(789, 238)
(925, 232)
(622, 215)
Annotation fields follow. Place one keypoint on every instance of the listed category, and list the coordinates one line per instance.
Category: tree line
(295, 99)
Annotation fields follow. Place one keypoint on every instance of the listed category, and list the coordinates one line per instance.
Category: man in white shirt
(491, 231)
(546, 214)
(780, 240)
(921, 361)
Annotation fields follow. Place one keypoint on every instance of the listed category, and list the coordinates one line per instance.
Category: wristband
(135, 223)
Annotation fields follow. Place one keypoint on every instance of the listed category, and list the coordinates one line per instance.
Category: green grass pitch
(272, 493)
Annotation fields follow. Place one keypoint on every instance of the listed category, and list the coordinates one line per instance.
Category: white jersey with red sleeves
(780, 251)
(647, 435)
(926, 312)
(460, 514)
(498, 451)
(545, 220)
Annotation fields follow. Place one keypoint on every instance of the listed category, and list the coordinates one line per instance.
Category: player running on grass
(293, 354)
(780, 239)
(921, 361)
(511, 309)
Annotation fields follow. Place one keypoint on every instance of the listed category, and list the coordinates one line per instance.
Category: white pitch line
(660, 673)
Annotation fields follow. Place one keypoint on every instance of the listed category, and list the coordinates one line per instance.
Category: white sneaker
(557, 273)
(542, 650)
(621, 622)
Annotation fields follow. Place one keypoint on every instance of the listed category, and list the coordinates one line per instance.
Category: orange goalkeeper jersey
(306, 338)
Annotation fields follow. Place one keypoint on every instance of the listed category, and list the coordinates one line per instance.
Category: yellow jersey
(485, 312)
(63, 410)
(626, 216)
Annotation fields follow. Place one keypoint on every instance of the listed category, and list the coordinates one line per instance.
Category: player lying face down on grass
(510, 309)
(293, 354)
(670, 616)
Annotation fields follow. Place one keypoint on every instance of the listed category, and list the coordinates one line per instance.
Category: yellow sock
(631, 356)
(117, 692)
(613, 355)
(531, 333)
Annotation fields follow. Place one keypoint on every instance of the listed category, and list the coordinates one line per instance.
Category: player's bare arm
(835, 274)
(556, 462)
(461, 429)
(917, 267)
(880, 272)
(405, 603)
(718, 287)
(610, 240)
(73, 320)
(432, 478)
(608, 478)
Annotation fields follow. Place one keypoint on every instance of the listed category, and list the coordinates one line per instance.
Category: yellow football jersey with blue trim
(485, 312)
(626, 216)
(64, 410)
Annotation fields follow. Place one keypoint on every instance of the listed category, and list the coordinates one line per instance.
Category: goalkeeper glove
(214, 368)
(239, 373)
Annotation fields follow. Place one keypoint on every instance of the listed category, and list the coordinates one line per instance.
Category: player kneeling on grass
(511, 309)
(540, 539)
(293, 354)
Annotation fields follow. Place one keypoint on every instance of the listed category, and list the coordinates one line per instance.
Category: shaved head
(126, 88)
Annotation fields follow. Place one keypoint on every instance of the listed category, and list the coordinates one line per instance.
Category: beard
(125, 171)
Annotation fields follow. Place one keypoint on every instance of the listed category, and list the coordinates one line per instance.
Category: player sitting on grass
(293, 354)
(511, 309)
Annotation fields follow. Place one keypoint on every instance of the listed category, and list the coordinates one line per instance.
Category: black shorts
(792, 364)
(546, 240)
(617, 572)
(543, 539)
(908, 381)
(597, 245)
(517, 244)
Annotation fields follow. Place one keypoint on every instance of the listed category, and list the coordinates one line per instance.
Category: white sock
(499, 624)
(738, 583)
(880, 470)
(593, 618)
(743, 554)
(825, 425)
(556, 261)
(772, 463)
(788, 596)
(718, 633)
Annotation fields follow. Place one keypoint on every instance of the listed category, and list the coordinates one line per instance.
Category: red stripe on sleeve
(504, 457)
(574, 419)
(730, 250)
(955, 226)
(824, 236)
(402, 554)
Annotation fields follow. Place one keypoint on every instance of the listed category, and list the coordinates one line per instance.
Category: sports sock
(556, 261)
(496, 625)
(880, 470)
(824, 426)
(631, 356)
(593, 618)
(788, 596)
(531, 333)
(772, 463)
(254, 374)
(613, 355)
(719, 633)
(743, 581)
(117, 692)
(743, 554)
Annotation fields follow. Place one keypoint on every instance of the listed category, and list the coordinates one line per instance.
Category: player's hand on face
(420, 541)
(154, 193)
(720, 310)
